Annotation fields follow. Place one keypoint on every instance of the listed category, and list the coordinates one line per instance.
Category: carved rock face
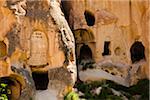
(4, 68)
(38, 49)
(3, 49)
(115, 29)
(39, 39)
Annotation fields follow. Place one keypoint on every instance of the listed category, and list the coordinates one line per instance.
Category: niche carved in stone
(38, 49)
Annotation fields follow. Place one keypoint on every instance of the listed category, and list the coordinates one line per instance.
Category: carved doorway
(85, 52)
(137, 51)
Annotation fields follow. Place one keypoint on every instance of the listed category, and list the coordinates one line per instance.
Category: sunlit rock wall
(35, 37)
(116, 27)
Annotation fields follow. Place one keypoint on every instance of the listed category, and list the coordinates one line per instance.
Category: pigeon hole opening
(89, 17)
(137, 51)
(41, 80)
(106, 48)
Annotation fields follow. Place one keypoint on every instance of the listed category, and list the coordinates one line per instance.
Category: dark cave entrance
(85, 53)
(106, 48)
(41, 80)
(89, 17)
(137, 51)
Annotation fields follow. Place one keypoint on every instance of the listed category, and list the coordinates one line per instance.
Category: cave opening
(41, 80)
(106, 48)
(137, 51)
(89, 17)
(85, 53)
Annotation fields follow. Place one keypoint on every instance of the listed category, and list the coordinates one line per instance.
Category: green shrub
(71, 96)
(141, 88)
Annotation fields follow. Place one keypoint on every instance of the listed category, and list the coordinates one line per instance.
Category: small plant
(71, 96)
(5, 92)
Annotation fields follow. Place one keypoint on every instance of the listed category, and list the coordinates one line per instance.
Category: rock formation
(35, 37)
(39, 44)
(113, 35)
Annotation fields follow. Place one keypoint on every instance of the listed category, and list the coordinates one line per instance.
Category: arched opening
(137, 51)
(106, 48)
(84, 35)
(89, 17)
(3, 49)
(38, 49)
(85, 53)
(41, 80)
(86, 58)
(117, 51)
